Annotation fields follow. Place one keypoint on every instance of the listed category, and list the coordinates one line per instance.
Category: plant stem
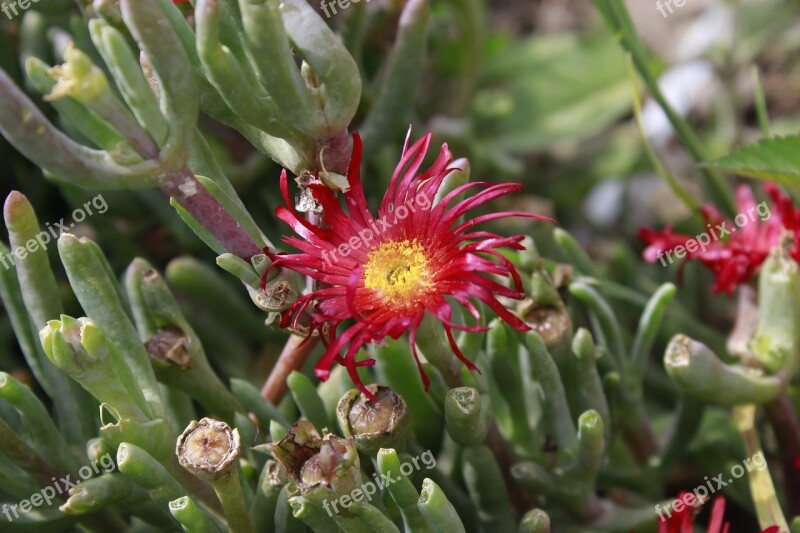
(229, 491)
(617, 17)
(677, 188)
(192, 196)
(760, 103)
(199, 489)
(434, 345)
(293, 357)
(765, 499)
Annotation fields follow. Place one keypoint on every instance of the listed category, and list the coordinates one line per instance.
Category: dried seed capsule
(373, 425)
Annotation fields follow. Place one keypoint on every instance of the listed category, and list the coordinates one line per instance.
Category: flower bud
(547, 315)
(77, 78)
(208, 449)
(81, 349)
(322, 467)
(373, 425)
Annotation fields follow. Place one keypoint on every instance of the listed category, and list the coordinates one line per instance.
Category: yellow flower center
(397, 269)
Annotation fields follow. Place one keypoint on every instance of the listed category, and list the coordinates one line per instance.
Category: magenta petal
(466, 266)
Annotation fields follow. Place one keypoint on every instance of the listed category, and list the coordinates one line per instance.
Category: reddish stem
(293, 357)
(192, 196)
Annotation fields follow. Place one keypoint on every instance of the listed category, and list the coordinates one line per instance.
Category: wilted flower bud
(546, 313)
(170, 345)
(208, 449)
(322, 467)
(373, 425)
(276, 475)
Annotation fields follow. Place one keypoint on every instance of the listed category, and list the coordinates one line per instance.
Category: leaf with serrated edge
(776, 159)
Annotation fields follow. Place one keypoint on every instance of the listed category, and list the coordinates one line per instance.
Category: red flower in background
(682, 521)
(386, 273)
(736, 248)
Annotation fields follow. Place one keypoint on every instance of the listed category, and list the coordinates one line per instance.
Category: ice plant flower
(386, 272)
(683, 522)
(735, 249)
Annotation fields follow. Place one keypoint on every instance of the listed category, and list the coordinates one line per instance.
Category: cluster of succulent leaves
(572, 424)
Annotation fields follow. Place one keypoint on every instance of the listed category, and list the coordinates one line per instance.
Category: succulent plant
(505, 379)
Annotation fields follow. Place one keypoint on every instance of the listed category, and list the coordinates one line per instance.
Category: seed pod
(323, 467)
(373, 425)
(208, 449)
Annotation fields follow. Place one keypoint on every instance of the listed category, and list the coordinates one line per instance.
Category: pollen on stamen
(398, 270)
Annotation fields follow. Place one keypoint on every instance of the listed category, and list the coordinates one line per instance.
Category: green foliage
(772, 159)
(553, 89)
(584, 422)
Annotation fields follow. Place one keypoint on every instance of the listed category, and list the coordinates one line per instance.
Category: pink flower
(736, 248)
(683, 522)
(381, 275)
